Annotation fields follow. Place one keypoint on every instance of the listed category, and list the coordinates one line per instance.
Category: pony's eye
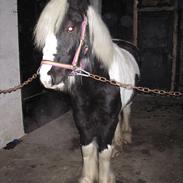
(70, 29)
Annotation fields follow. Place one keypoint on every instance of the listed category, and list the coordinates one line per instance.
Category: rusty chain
(104, 80)
(138, 88)
(20, 86)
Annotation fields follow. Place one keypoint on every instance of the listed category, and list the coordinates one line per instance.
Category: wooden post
(181, 52)
(135, 23)
(174, 51)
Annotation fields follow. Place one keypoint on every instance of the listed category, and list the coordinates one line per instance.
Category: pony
(72, 34)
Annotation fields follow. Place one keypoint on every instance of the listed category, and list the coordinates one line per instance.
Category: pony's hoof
(127, 137)
(110, 179)
(116, 152)
(118, 141)
(85, 180)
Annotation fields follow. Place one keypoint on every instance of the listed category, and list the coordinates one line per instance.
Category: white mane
(100, 37)
(120, 63)
(50, 21)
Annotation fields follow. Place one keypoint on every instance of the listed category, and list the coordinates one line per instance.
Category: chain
(138, 88)
(104, 80)
(20, 86)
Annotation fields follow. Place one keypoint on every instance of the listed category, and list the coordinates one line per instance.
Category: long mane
(100, 37)
(51, 19)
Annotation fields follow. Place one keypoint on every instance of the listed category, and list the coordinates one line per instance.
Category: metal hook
(81, 72)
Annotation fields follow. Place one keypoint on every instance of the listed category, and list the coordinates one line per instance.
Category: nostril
(56, 75)
(49, 72)
(51, 76)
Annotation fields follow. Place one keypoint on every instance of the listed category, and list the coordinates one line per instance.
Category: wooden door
(155, 37)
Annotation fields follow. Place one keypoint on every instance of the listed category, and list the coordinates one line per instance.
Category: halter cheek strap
(83, 33)
(78, 51)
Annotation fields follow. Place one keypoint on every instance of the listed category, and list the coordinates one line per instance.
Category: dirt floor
(51, 154)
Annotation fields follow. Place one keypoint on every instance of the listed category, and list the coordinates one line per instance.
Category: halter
(74, 64)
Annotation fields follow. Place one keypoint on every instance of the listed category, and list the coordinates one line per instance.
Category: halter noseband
(74, 64)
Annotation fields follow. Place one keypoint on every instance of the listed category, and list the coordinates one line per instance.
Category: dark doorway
(157, 40)
(39, 105)
(155, 43)
(118, 15)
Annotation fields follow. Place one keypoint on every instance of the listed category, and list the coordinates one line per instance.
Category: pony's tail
(50, 21)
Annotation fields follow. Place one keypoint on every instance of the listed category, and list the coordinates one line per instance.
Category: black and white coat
(97, 107)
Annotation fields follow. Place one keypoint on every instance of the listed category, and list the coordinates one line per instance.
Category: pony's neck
(93, 65)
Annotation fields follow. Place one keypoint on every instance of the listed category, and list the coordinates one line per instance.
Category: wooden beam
(135, 23)
(157, 9)
(174, 51)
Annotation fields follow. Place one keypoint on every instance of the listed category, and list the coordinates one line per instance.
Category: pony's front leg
(105, 172)
(90, 163)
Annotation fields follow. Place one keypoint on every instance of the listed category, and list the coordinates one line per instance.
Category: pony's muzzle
(57, 75)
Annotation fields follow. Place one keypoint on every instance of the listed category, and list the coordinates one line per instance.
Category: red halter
(78, 51)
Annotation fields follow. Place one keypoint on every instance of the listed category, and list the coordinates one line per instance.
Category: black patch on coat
(95, 105)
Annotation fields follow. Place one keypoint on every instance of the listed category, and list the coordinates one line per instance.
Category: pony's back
(124, 69)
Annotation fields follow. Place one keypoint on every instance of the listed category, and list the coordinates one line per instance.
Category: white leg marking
(117, 141)
(126, 129)
(105, 173)
(123, 132)
(90, 163)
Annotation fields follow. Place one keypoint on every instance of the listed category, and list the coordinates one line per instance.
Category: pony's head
(59, 32)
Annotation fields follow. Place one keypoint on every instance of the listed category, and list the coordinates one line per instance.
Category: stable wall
(181, 49)
(11, 124)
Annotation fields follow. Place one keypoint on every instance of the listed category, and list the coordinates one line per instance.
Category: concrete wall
(11, 125)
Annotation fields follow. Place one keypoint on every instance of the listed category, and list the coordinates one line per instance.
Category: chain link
(104, 80)
(20, 86)
(138, 88)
